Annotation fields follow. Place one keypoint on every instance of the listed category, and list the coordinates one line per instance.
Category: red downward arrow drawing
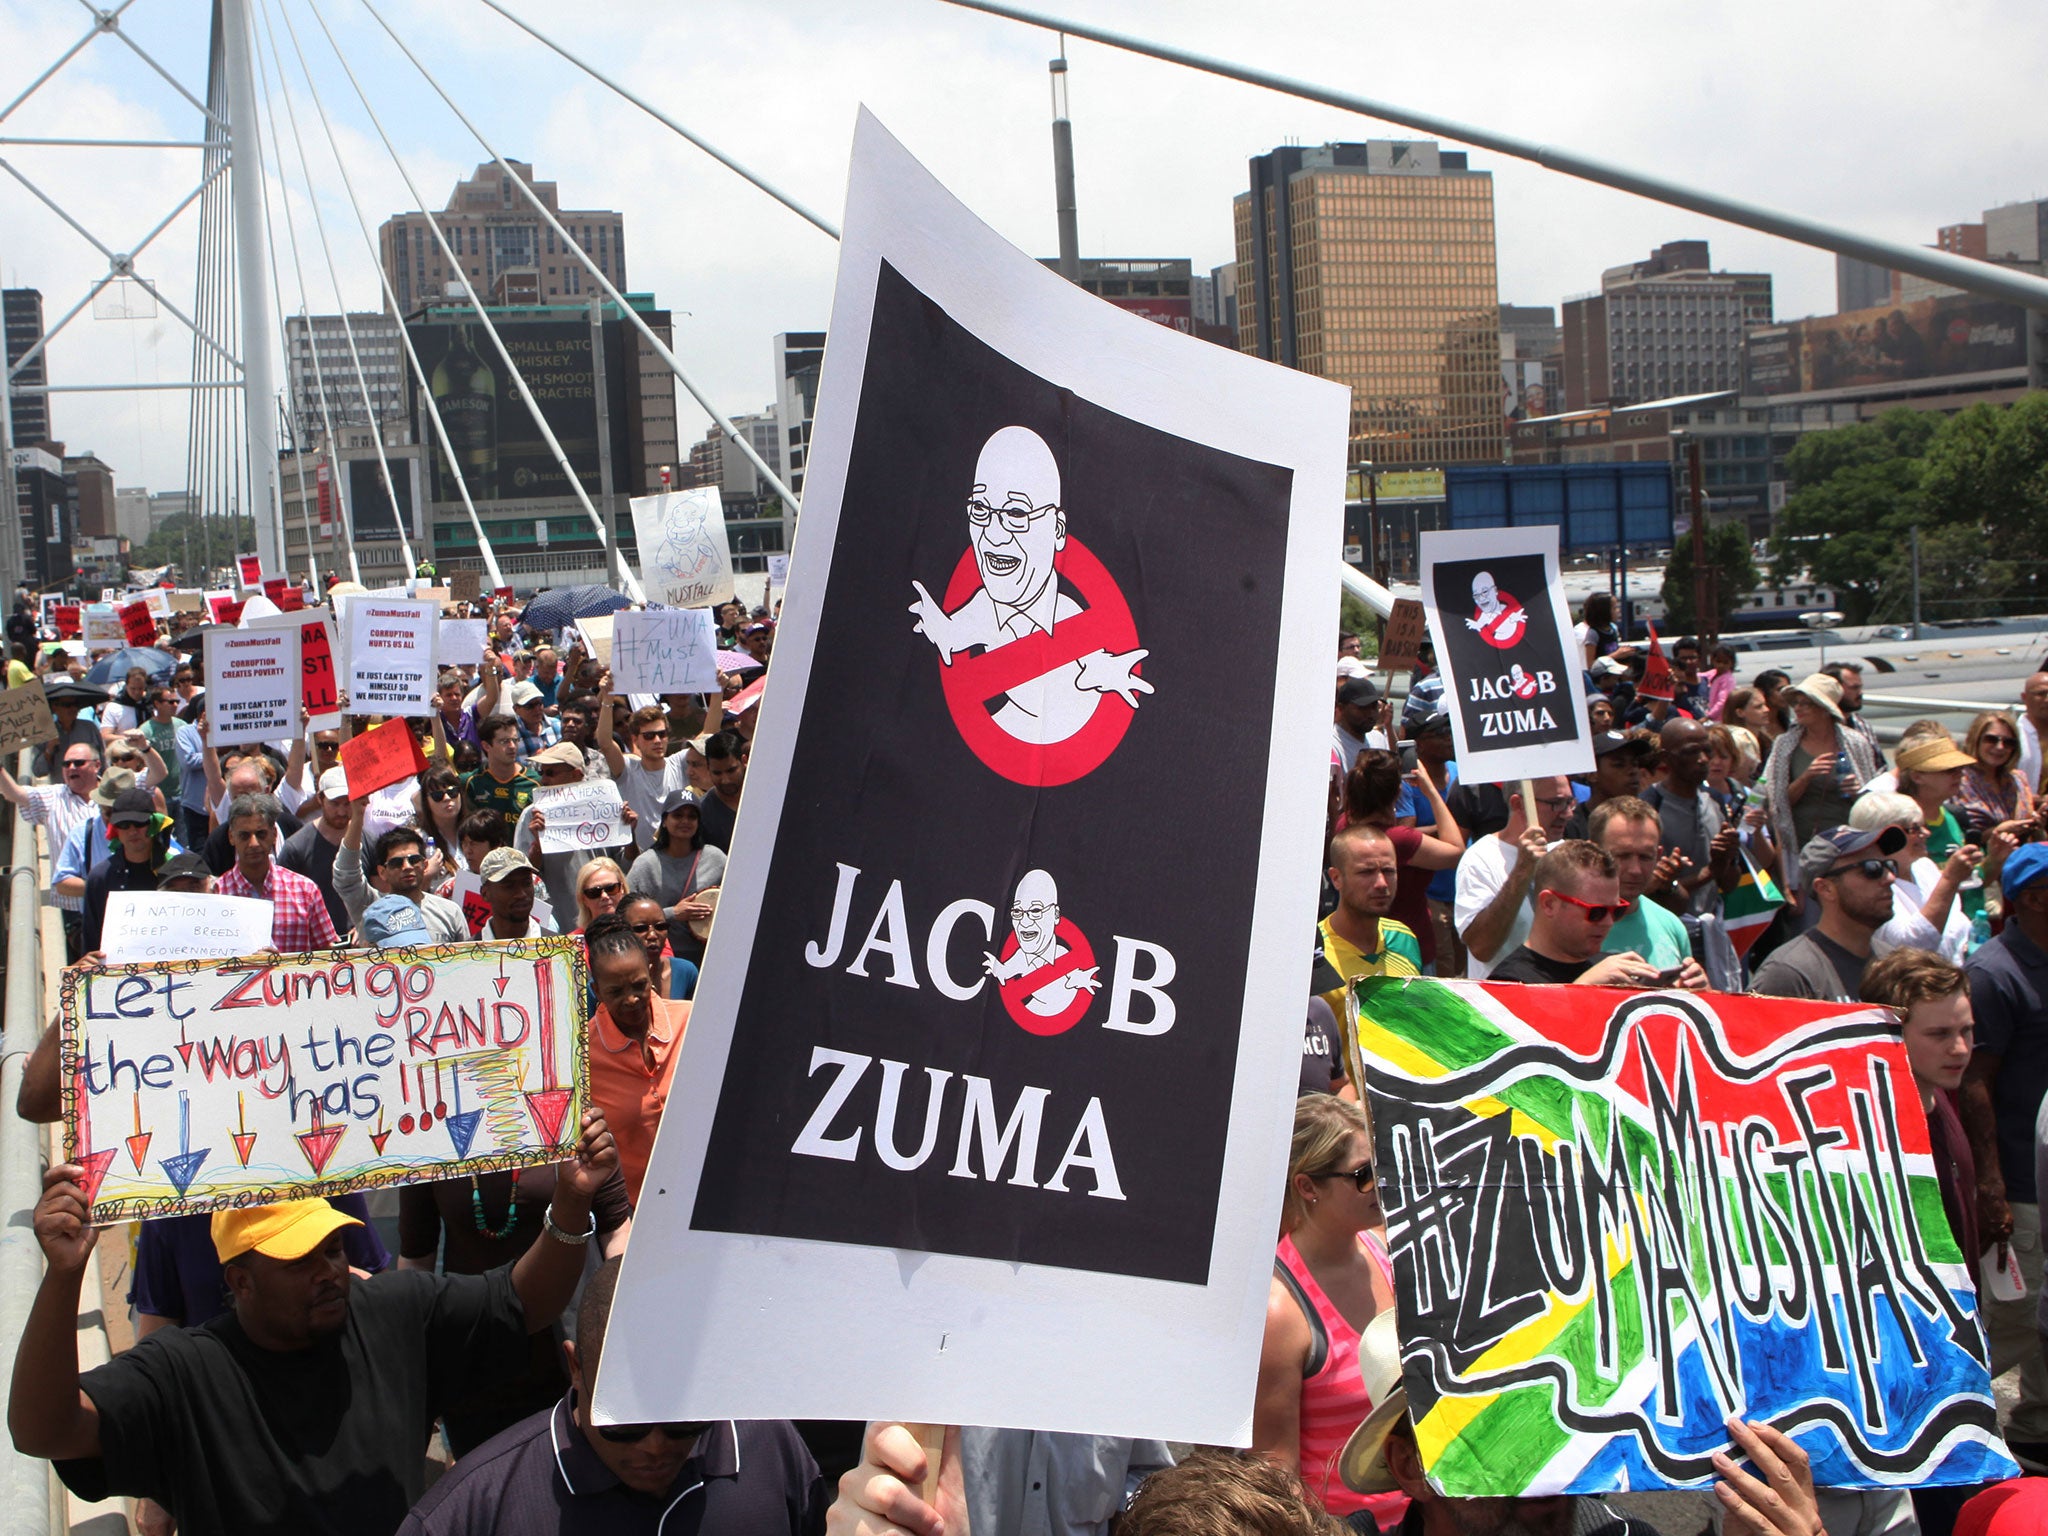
(137, 1145)
(319, 1143)
(95, 1166)
(244, 1141)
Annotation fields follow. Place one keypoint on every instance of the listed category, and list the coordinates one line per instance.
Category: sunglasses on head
(1870, 869)
(1361, 1176)
(633, 1434)
(1595, 911)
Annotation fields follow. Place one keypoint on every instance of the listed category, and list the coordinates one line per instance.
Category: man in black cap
(1621, 767)
(1359, 723)
(142, 841)
(1849, 872)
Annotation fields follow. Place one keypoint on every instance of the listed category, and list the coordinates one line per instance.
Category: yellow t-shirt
(1399, 954)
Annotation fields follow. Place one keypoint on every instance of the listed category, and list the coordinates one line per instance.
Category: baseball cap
(392, 921)
(2026, 864)
(1438, 720)
(334, 784)
(290, 1230)
(2016, 1507)
(1607, 742)
(182, 866)
(132, 807)
(1823, 852)
(563, 754)
(1350, 666)
(1362, 1464)
(678, 798)
(1358, 690)
(501, 862)
(1611, 666)
(524, 694)
(1932, 755)
(112, 782)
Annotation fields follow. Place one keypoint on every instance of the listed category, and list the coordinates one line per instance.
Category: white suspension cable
(738, 439)
(625, 570)
(355, 568)
(306, 516)
(666, 121)
(348, 330)
(391, 299)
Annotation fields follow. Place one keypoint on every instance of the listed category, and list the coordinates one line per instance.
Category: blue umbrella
(111, 671)
(565, 605)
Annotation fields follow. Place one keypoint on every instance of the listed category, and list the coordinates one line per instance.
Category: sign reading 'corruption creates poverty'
(1618, 1220)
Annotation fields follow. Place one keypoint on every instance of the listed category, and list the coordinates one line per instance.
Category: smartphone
(1669, 978)
(1407, 757)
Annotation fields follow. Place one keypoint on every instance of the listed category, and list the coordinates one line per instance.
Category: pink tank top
(1334, 1400)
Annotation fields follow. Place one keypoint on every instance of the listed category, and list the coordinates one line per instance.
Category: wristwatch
(573, 1239)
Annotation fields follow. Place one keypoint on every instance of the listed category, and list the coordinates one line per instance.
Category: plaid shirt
(298, 913)
(531, 742)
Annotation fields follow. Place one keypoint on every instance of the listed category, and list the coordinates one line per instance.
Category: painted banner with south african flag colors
(1618, 1219)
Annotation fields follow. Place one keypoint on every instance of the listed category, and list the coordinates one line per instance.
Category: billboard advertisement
(501, 450)
(371, 515)
(1927, 339)
(1175, 313)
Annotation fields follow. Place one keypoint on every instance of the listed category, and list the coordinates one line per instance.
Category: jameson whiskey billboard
(502, 453)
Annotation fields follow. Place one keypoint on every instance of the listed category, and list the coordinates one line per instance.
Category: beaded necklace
(476, 1207)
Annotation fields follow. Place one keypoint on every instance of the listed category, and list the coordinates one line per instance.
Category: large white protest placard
(1513, 681)
(183, 925)
(189, 1086)
(579, 816)
(391, 645)
(252, 683)
(461, 642)
(684, 559)
(101, 628)
(834, 1152)
(664, 650)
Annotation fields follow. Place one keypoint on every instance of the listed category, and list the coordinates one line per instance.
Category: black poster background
(1469, 660)
(1160, 843)
(369, 503)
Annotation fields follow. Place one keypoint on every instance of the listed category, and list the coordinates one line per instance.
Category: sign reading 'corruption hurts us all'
(938, 1089)
(195, 1084)
(1619, 1219)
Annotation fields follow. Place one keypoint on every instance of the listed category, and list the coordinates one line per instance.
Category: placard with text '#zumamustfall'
(975, 1101)
(195, 1084)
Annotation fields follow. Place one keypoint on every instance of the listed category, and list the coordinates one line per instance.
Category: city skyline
(967, 94)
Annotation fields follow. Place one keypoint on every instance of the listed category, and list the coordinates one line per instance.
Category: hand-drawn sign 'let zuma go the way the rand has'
(1041, 687)
(192, 1085)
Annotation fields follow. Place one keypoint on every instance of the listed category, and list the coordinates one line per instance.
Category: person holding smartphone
(1627, 829)
(1577, 898)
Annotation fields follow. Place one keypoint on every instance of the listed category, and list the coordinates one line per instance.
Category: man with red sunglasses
(1577, 899)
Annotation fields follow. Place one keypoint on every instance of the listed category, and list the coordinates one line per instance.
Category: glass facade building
(1373, 265)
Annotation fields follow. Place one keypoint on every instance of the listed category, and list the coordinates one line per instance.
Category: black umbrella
(565, 605)
(65, 690)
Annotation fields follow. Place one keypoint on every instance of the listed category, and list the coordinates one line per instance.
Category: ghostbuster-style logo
(1046, 971)
(1499, 620)
(1041, 687)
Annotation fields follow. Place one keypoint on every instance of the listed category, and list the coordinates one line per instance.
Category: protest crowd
(293, 1372)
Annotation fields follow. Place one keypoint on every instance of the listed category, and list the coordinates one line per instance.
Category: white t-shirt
(1482, 872)
(648, 792)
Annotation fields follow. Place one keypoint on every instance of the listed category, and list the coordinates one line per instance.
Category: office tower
(23, 312)
(1661, 328)
(384, 369)
(495, 232)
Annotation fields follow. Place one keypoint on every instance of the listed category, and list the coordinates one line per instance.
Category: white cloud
(1890, 119)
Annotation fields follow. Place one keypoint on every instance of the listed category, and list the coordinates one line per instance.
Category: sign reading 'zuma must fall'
(983, 1038)
(1513, 680)
(1619, 1220)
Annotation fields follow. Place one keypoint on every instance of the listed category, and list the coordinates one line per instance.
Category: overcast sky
(1887, 116)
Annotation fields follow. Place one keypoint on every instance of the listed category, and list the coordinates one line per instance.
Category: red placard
(318, 689)
(381, 756)
(227, 610)
(252, 570)
(477, 910)
(504, 593)
(138, 624)
(67, 620)
(290, 599)
(1656, 683)
(273, 588)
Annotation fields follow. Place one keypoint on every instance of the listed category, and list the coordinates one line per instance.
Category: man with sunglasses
(1628, 830)
(1017, 526)
(560, 1471)
(1493, 910)
(396, 865)
(650, 777)
(1850, 873)
(1577, 900)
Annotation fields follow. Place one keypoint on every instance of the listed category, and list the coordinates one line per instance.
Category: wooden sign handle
(933, 1438)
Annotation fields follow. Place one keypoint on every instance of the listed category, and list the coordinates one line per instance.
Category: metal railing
(27, 1506)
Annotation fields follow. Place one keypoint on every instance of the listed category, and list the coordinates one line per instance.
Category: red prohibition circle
(1015, 992)
(971, 681)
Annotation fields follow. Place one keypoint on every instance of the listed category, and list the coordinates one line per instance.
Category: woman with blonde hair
(1331, 1278)
(1991, 792)
(600, 887)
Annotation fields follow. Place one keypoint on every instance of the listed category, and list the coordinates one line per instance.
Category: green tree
(1728, 552)
(1856, 494)
(1986, 483)
(169, 544)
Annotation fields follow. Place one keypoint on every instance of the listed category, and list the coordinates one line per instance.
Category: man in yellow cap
(304, 1408)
